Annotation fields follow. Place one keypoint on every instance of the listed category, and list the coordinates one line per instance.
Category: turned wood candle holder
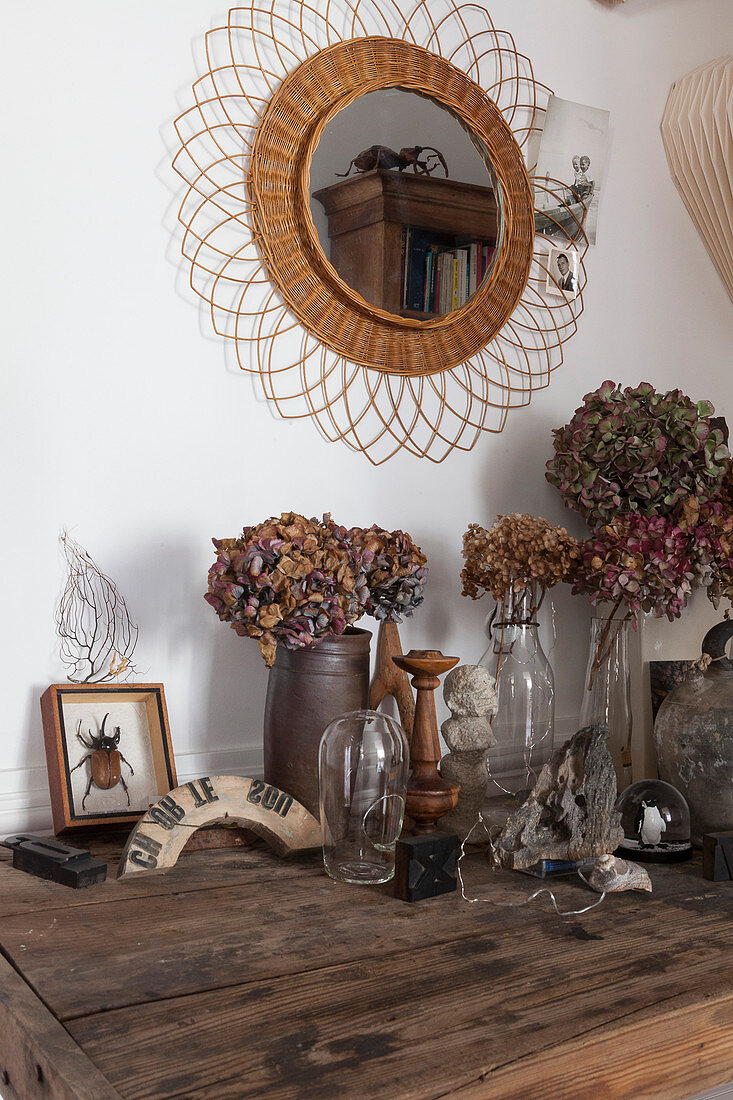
(428, 795)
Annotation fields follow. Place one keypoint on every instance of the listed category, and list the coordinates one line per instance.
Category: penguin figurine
(649, 824)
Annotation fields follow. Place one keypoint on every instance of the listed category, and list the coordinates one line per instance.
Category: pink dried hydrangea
(710, 530)
(638, 563)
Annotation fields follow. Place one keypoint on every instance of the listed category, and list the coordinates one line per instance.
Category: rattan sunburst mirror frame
(276, 72)
(278, 187)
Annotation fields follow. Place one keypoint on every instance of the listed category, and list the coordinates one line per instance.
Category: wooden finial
(428, 795)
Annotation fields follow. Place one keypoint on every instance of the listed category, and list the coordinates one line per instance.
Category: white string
(525, 901)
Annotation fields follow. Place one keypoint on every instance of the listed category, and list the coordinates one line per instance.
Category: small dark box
(425, 866)
(717, 856)
(55, 860)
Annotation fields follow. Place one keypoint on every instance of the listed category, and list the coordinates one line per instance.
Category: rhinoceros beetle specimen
(106, 760)
(379, 156)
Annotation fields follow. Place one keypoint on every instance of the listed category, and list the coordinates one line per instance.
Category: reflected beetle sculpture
(380, 156)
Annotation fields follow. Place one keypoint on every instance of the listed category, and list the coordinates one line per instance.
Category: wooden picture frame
(73, 718)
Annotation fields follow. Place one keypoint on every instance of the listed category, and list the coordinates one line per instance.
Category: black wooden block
(55, 860)
(717, 856)
(425, 866)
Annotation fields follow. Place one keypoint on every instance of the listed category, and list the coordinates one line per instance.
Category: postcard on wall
(570, 171)
(562, 272)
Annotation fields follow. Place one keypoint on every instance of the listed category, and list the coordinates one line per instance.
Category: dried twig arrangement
(98, 637)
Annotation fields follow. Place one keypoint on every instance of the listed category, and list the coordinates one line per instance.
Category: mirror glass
(406, 208)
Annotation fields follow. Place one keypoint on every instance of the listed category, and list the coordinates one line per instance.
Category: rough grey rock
(570, 813)
(469, 693)
(470, 690)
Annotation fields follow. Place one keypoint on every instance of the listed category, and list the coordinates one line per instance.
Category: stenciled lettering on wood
(162, 832)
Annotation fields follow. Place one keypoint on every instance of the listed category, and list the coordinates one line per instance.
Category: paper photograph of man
(562, 272)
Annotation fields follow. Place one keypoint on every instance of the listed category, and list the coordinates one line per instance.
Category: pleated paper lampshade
(697, 130)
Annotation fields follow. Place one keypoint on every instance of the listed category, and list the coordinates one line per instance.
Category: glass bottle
(525, 686)
(363, 763)
(607, 690)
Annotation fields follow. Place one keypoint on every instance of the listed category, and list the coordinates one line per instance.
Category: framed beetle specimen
(108, 750)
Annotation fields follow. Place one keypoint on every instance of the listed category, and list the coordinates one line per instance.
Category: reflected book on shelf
(440, 272)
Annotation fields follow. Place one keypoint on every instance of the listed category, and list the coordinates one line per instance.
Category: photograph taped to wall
(562, 272)
(108, 751)
(570, 171)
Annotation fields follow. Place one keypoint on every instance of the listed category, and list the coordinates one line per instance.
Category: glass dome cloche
(363, 764)
(656, 822)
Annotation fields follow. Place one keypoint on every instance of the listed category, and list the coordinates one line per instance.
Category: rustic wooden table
(239, 975)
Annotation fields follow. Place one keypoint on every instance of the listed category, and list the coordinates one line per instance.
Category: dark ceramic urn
(693, 735)
(307, 689)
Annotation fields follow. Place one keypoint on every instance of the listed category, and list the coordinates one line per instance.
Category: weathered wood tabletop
(238, 974)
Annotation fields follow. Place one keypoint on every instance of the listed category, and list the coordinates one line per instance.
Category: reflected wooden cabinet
(368, 215)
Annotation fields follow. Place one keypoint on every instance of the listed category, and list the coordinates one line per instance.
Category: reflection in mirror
(405, 207)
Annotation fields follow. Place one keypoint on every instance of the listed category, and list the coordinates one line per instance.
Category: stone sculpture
(570, 813)
(469, 693)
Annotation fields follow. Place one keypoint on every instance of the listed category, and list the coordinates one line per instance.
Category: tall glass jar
(525, 686)
(607, 690)
(363, 762)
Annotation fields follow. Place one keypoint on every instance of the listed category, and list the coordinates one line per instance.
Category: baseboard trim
(25, 805)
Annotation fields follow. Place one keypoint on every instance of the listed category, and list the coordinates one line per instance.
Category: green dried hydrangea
(637, 451)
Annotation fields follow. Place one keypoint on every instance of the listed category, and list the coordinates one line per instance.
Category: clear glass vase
(607, 690)
(525, 686)
(363, 762)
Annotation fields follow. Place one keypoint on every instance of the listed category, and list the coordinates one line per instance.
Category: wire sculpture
(98, 637)
(380, 383)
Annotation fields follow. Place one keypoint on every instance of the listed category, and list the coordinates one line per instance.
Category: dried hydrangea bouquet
(298, 586)
(650, 473)
(291, 581)
(516, 561)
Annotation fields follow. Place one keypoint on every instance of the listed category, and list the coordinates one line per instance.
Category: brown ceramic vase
(307, 689)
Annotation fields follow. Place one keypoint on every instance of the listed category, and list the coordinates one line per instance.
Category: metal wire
(530, 897)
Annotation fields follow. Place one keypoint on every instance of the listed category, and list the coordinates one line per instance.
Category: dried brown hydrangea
(518, 552)
(287, 581)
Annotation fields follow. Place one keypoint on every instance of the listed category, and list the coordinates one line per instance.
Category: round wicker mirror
(278, 188)
(382, 379)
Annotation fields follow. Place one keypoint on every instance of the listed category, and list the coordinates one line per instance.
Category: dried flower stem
(604, 649)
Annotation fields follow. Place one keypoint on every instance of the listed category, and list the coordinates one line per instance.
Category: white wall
(122, 420)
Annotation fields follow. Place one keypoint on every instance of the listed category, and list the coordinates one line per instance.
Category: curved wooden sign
(161, 833)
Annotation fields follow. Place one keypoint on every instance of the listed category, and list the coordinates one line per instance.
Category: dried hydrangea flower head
(637, 451)
(726, 489)
(710, 532)
(638, 563)
(519, 552)
(287, 581)
(395, 571)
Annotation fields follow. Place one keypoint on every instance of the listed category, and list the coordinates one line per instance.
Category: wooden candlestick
(428, 795)
(389, 680)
